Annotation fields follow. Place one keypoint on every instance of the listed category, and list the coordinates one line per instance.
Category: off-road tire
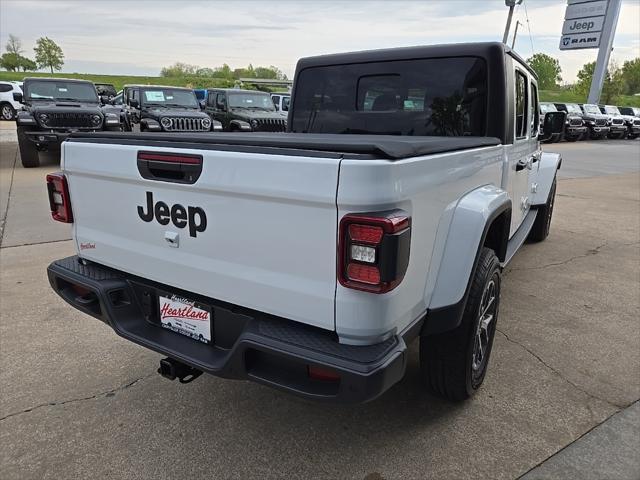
(447, 359)
(542, 224)
(28, 151)
(7, 112)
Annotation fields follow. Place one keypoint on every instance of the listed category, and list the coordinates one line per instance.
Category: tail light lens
(373, 250)
(59, 200)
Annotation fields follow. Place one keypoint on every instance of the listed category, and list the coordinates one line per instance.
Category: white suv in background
(8, 106)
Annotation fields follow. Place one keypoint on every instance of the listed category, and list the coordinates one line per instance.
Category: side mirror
(203, 104)
(553, 124)
(133, 103)
(17, 97)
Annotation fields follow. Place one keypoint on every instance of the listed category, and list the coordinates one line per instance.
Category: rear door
(256, 230)
(520, 154)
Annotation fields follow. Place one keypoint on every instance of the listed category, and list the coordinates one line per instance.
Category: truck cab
(309, 260)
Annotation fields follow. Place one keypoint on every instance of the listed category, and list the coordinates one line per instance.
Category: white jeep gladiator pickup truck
(309, 260)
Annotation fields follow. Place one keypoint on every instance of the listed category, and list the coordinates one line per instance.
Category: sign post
(606, 44)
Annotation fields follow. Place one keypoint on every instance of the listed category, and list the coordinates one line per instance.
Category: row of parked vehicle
(47, 110)
(594, 122)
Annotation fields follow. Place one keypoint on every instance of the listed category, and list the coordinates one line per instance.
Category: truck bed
(391, 147)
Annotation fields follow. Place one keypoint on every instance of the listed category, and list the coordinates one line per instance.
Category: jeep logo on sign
(180, 216)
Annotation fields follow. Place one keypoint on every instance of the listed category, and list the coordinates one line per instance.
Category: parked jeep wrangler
(154, 108)
(617, 123)
(631, 116)
(309, 260)
(244, 111)
(597, 123)
(54, 108)
(574, 128)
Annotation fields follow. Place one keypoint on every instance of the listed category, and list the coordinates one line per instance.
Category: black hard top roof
(236, 90)
(58, 79)
(476, 49)
(172, 87)
(391, 147)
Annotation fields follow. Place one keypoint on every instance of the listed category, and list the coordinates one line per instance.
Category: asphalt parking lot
(77, 401)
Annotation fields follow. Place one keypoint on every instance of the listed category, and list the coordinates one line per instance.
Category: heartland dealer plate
(186, 317)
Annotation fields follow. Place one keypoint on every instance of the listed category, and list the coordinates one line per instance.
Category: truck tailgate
(270, 238)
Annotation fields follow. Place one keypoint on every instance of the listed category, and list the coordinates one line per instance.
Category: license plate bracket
(185, 316)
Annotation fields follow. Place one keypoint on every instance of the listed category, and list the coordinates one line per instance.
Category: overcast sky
(139, 37)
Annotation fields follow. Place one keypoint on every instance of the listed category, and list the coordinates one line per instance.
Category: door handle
(522, 164)
(536, 157)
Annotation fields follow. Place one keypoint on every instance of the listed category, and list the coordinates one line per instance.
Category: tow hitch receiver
(173, 369)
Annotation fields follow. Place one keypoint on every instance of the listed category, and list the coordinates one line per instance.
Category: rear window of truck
(426, 97)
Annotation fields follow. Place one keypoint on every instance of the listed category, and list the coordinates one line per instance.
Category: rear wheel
(454, 363)
(28, 151)
(7, 112)
(542, 224)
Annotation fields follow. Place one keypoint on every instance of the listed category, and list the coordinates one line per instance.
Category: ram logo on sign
(583, 24)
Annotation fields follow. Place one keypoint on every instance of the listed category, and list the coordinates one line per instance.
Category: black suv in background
(106, 91)
(244, 111)
(54, 108)
(574, 127)
(632, 117)
(617, 124)
(597, 123)
(153, 108)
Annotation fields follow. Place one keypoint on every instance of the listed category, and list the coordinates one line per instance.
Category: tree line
(620, 80)
(48, 54)
(224, 72)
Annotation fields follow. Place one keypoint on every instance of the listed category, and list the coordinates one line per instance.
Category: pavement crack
(37, 243)
(574, 385)
(3, 222)
(588, 253)
(106, 393)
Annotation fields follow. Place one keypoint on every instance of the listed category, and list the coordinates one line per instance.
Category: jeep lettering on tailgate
(179, 215)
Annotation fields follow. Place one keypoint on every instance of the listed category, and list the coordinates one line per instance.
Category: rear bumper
(247, 344)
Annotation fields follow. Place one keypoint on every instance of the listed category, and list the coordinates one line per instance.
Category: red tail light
(59, 200)
(373, 250)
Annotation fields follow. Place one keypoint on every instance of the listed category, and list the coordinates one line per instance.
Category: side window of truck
(521, 105)
(135, 94)
(211, 99)
(535, 117)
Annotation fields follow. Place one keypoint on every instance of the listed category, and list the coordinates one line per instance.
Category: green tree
(179, 69)
(223, 72)
(613, 83)
(10, 61)
(14, 45)
(204, 72)
(548, 70)
(26, 64)
(631, 76)
(48, 54)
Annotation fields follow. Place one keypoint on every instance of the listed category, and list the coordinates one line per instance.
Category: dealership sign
(583, 23)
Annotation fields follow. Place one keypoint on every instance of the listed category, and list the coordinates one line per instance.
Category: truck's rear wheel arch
(491, 231)
(497, 234)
